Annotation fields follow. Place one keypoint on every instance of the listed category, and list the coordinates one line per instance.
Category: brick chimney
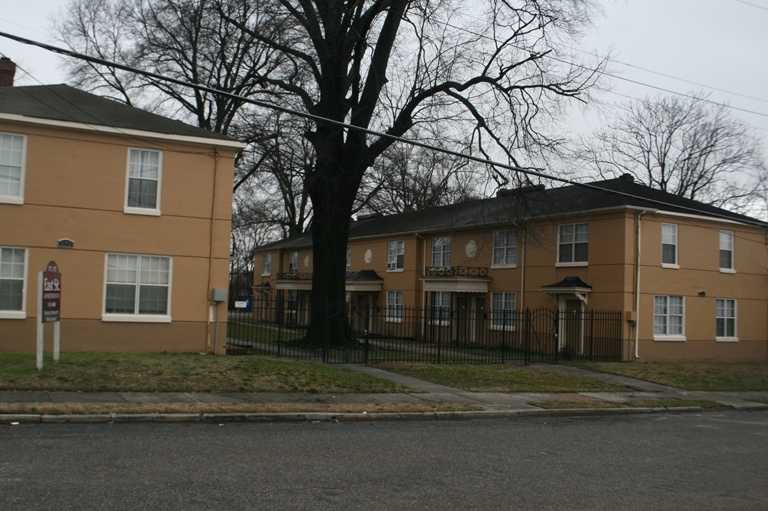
(7, 72)
(627, 177)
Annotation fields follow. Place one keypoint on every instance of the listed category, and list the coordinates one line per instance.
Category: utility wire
(526, 171)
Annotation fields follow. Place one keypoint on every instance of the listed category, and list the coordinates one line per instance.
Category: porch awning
(365, 280)
(568, 286)
(262, 288)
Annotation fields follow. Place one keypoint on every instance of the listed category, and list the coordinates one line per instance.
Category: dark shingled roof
(64, 103)
(363, 276)
(528, 203)
(568, 283)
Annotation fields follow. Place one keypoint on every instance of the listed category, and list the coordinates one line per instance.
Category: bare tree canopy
(686, 146)
(493, 73)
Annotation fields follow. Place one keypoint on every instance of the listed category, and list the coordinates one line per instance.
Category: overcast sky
(720, 45)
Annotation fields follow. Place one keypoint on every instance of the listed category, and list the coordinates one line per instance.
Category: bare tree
(686, 146)
(493, 70)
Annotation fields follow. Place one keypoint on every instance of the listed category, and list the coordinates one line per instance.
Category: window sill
(727, 270)
(501, 328)
(141, 211)
(395, 270)
(727, 339)
(670, 266)
(13, 315)
(669, 338)
(135, 318)
(266, 274)
(571, 265)
(6, 199)
(393, 320)
(503, 266)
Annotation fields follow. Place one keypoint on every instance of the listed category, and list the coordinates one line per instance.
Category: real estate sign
(51, 293)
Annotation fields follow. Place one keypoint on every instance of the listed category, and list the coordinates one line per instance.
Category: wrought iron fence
(409, 334)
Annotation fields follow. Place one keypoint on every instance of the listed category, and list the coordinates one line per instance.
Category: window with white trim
(504, 248)
(441, 307)
(137, 285)
(726, 250)
(12, 163)
(669, 245)
(144, 177)
(668, 317)
(293, 262)
(573, 244)
(349, 259)
(441, 252)
(266, 264)
(503, 311)
(13, 274)
(396, 255)
(725, 319)
(394, 310)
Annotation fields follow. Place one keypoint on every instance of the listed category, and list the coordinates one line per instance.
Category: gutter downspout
(637, 284)
(423, 272)
(522, 273)
(213, 306)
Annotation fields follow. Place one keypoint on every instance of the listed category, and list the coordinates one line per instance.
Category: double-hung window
(441, 252)
(395, 255)
(573, 244)
(144, 177)
(394, 306)
(668, 318)
(725, 320)
(726, 251)
(293, 262)
(441, 307)
(349, 259)
(502, 311)
(12, 162)
(13, 275)
(137, 288)
(504, 248)
(669, 245)
(266, 264)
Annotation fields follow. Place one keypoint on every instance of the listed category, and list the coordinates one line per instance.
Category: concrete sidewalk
(489, 404)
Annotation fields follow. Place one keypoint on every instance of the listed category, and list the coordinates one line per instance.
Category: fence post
(591, 333)
(527, 346)
(280, 307)
(365, 331)
(503, 332)
(439, 331)
(557, 336)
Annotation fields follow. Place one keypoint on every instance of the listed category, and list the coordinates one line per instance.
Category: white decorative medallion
(306, 261)
(368, 255)
(471, 248)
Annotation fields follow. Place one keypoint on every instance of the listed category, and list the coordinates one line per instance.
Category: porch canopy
(456, 279)
(364, 280)
(569, 286)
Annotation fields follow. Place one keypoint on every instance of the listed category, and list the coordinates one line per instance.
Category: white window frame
(508, 300)
(14, 199)
(727, 242)
(266, 264)
(670, 238)
(349, 259)
(293, 263)
(665, 335)
(136, 317)
(396, 255)
(394, 309)
(721, 313)
(21, 313)
(440, 311)
(504, 249)
(441, 252)
(138, 210)
(566, 231)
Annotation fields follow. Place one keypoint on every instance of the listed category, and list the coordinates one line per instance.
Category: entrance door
(572, 327)
(470, 310)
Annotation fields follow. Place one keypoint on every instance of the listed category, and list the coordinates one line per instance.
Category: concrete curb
(317, 417)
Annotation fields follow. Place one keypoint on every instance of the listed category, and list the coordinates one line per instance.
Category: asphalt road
(642, 462)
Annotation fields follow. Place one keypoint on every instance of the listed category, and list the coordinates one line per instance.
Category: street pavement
(488, 404)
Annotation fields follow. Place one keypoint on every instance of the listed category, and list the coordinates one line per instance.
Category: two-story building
(133, 207)
(689, 280)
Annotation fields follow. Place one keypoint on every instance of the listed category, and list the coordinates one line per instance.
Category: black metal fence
(433, 335)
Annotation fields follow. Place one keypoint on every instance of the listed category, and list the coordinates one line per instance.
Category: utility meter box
(218, 294)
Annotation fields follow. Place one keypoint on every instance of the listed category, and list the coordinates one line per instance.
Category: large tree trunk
(332, 202)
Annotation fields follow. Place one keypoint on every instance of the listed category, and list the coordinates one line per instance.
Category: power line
(752, 5)
(526, 171)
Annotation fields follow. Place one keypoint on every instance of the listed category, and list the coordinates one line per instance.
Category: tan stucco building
(134, 208)
(690, 280)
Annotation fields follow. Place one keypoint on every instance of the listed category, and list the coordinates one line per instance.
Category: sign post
(49, 310)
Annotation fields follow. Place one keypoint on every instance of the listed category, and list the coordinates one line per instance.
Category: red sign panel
(51, 293)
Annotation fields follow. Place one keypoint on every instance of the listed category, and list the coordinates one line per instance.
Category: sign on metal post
(49, 309)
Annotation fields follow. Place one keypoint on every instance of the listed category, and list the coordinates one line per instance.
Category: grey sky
(719, 43)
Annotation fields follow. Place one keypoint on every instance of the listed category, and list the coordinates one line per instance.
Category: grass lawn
(500, 378)
(112, 372)
(709, 376)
